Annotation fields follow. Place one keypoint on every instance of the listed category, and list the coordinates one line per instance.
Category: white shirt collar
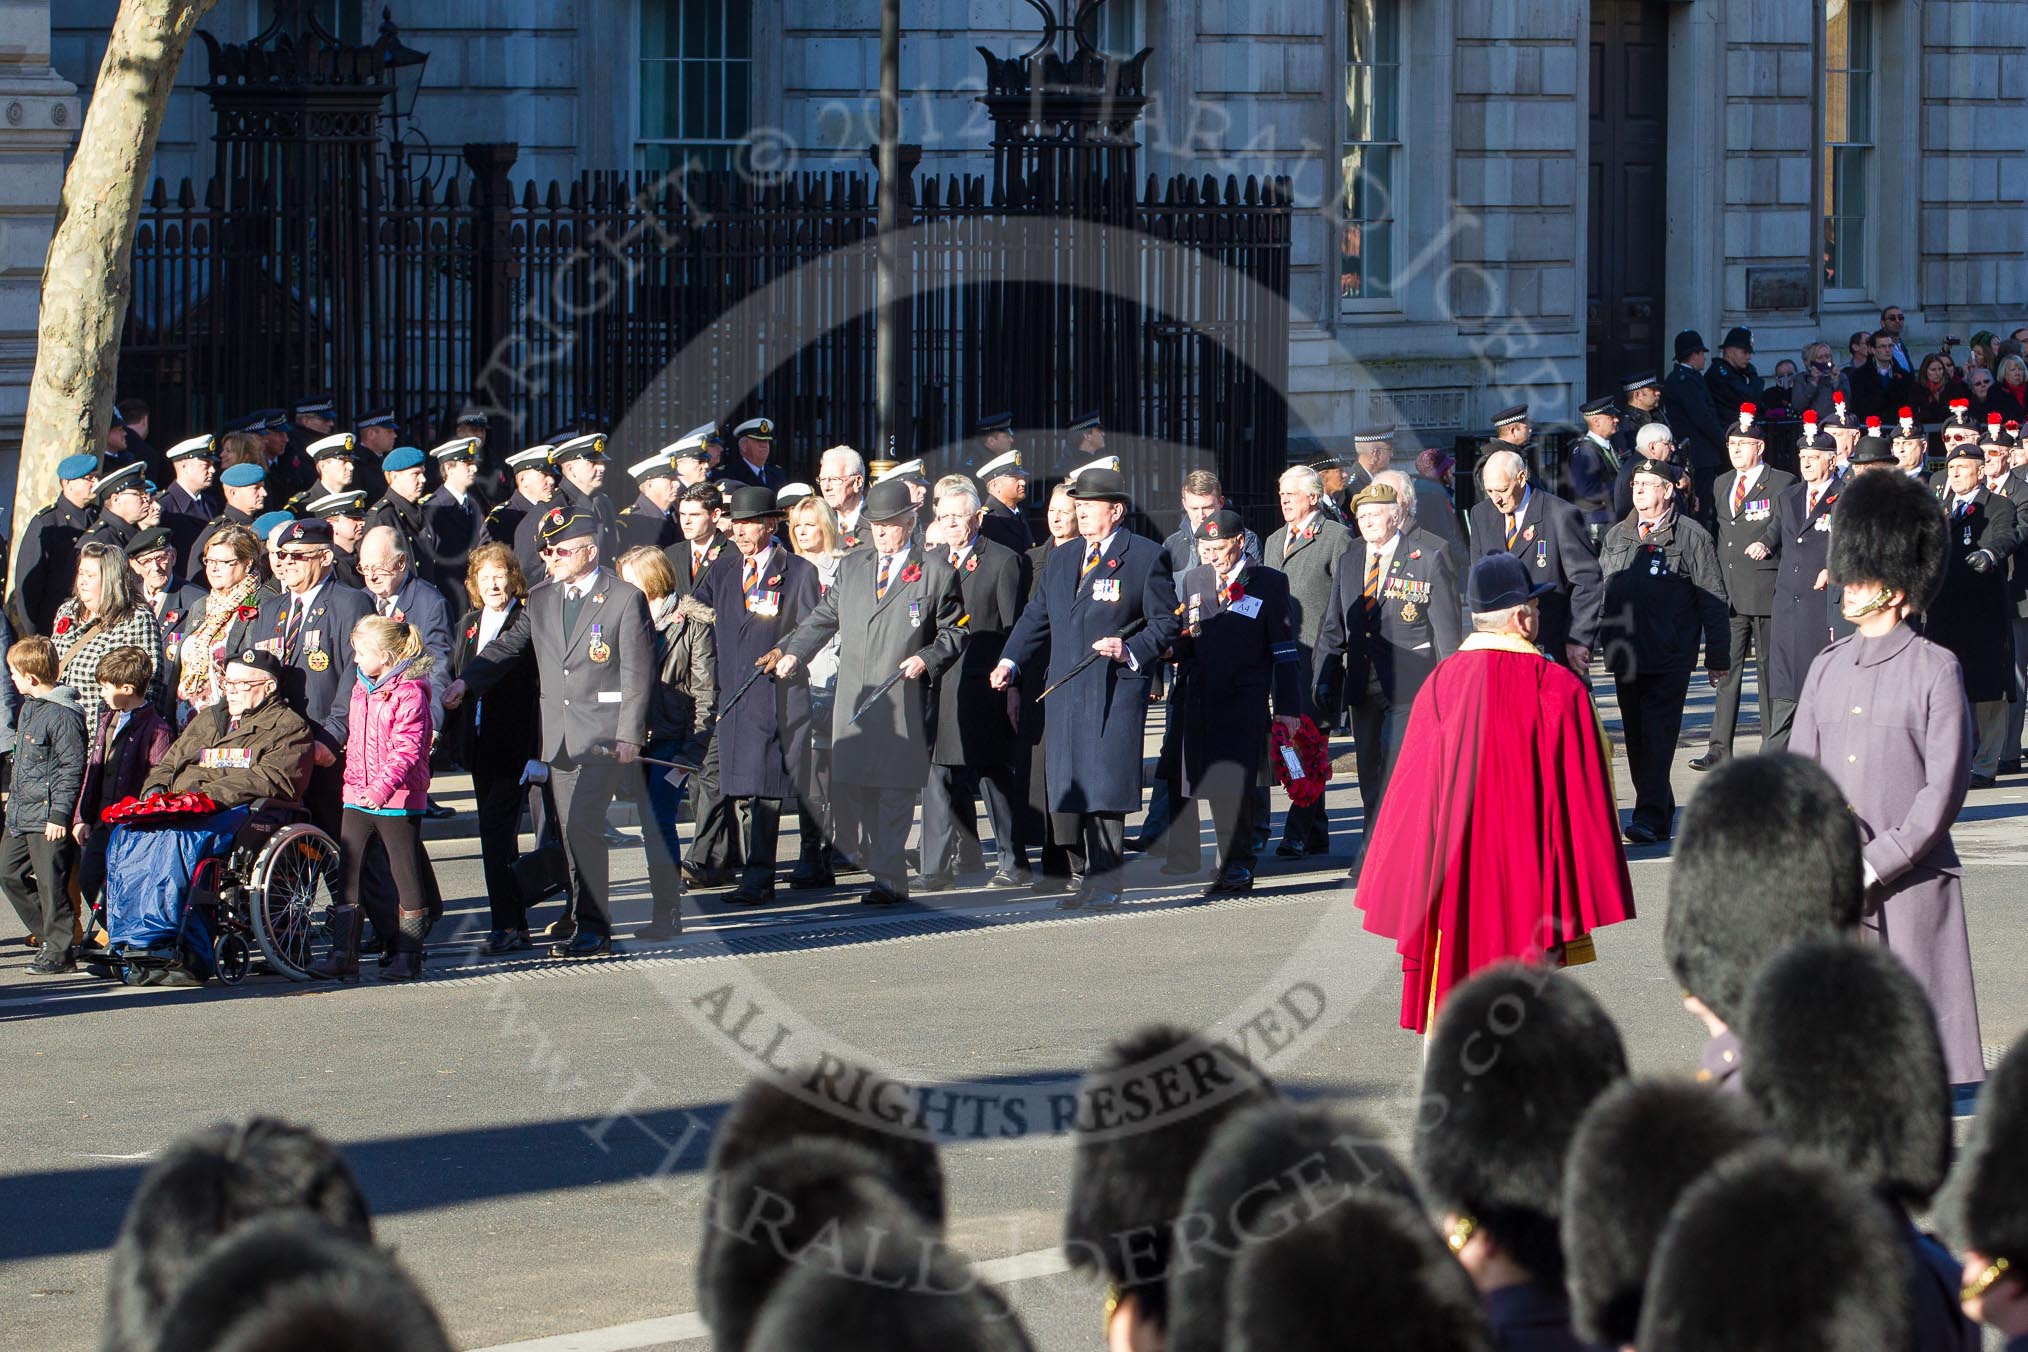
(578, 587)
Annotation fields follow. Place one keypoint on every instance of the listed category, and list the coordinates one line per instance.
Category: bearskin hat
(1641, 1144)
(1366, 1272)
(205, 1186)
(1777, 1252)
(291, 1281)
(1266, 1168)
(873, 1295)
(1145, 1113)
(772, 1110)
(790, 1205)
(1990, 1187)
(1888, 528)
(1841, 1052)
(1517, 1055)
(1780, 821)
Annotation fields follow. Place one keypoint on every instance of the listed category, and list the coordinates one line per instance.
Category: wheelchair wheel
(233, 958)
(290, 887)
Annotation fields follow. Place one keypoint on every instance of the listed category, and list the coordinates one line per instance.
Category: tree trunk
(86, 279)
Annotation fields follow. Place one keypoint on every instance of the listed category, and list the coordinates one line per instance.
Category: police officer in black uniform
(123, 497)
(1006, 485)
(1663, 591)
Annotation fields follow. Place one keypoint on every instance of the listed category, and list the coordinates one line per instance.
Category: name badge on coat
(1248, 606)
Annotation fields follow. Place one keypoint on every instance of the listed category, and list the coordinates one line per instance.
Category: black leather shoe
(585, 945)
(1291, 849)
(807, 877)
(508, 941)
(881, 896)
(1073, 902)
(1049, 886)
(437, 812)
(706, 878)
(658, 930)
(750, 896)
(1637, 834)
(1232, 882)
(1983, 781)
(938, 882)
(560, 931)
(1710, 760)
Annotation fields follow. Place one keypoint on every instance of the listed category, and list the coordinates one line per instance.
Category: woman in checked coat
(1884, 711)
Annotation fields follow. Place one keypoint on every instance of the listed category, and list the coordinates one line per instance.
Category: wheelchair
(268, 891)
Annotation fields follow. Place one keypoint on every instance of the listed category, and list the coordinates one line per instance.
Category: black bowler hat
(889, 499)
(1873, 451)
(1688, 343)
(1223, 524)
(1738, 336)
(1099, 485)
(1500, 582)
(752, 504)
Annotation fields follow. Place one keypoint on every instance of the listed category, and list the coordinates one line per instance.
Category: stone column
(39, 117)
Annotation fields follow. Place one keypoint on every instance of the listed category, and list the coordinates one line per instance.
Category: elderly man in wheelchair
(216, 856)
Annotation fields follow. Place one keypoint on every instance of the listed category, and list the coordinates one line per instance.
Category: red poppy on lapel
(63, 623)
(912, 573)
(248, 612)
(775, 581)
(1112, 563)
(399, 617)
(972, 564)
(472, 632)
(1415, 553)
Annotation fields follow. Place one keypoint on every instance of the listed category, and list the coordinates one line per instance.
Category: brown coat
(273, 739)
(1887, 718)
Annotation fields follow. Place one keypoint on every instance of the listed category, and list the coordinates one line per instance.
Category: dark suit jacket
(680, 560)
(1802, 622)
(1007, 527)
(1880, 396)
(1749, 583)
(1687, 404)
(970, 725)
(319, 690)
(1554, 547)
(495, 730)
(754, 735)
(595, 680)
(738, 473)
(458, 531)
(1419, 624)
(1970, 615)
(1235, 668)
(182, 603)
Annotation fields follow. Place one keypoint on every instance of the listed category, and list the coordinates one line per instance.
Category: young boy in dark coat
(36, 854)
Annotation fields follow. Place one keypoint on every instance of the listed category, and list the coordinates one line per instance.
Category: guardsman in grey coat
(1107, 612)
(1799, 535)
(309, 627)
(759, 593)
(1306, 550)
(1546, 534)
(1394, 615)
(513, 522)
(895, 613)
(975, 746)
(1970, 616)
(1884, 711)
(1664, 592)
(595, 661)
(1237, 663)
(1744, 502)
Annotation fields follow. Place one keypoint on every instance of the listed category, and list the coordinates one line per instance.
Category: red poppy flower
(1112, 563)
(775, 581)
(912, 573)
(63, 623)
(1415, 553)
(472, 632)
(972, 564)
(1313, 753)
(246, 612)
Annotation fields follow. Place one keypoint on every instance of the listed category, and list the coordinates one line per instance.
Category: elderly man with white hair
(1307, 548)
(1654, 442)
(841, 478)
(1548, 535)
(401, 595)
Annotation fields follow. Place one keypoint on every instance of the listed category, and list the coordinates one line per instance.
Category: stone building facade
(1543, 191)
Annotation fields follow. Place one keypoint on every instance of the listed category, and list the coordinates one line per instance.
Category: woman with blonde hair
(386, 789)
(814, 533)
(679, 718)
(103, 614)
(231, 569)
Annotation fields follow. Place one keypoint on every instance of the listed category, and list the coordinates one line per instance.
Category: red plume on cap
(1748, 409)
(1872, 424)
(1961, 403)
(1905, 412)
(1810, 417)
(1992, 420)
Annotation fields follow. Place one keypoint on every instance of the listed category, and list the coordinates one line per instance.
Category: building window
(1372, 148)
(1118, 28)
(1848, 140)
(696, 69)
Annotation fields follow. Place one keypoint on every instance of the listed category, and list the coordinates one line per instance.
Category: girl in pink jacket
(387, 784)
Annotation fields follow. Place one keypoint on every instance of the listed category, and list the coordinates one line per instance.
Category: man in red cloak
(1499, 836)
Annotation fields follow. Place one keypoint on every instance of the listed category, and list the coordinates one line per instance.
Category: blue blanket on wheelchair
(148, 883)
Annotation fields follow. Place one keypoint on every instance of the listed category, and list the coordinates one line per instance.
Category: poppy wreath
(1313, 753)
(159, 805)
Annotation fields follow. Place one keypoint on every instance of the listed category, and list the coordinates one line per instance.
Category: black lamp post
(405, 66)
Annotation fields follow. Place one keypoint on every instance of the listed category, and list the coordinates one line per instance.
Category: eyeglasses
(295, 556)
(382, 569)
(557, 551)
(225, 562)
(254, 684)
(835, 479)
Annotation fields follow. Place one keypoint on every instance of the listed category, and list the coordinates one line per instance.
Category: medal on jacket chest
(1409, 612)
(319, 660)
(600, 650)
